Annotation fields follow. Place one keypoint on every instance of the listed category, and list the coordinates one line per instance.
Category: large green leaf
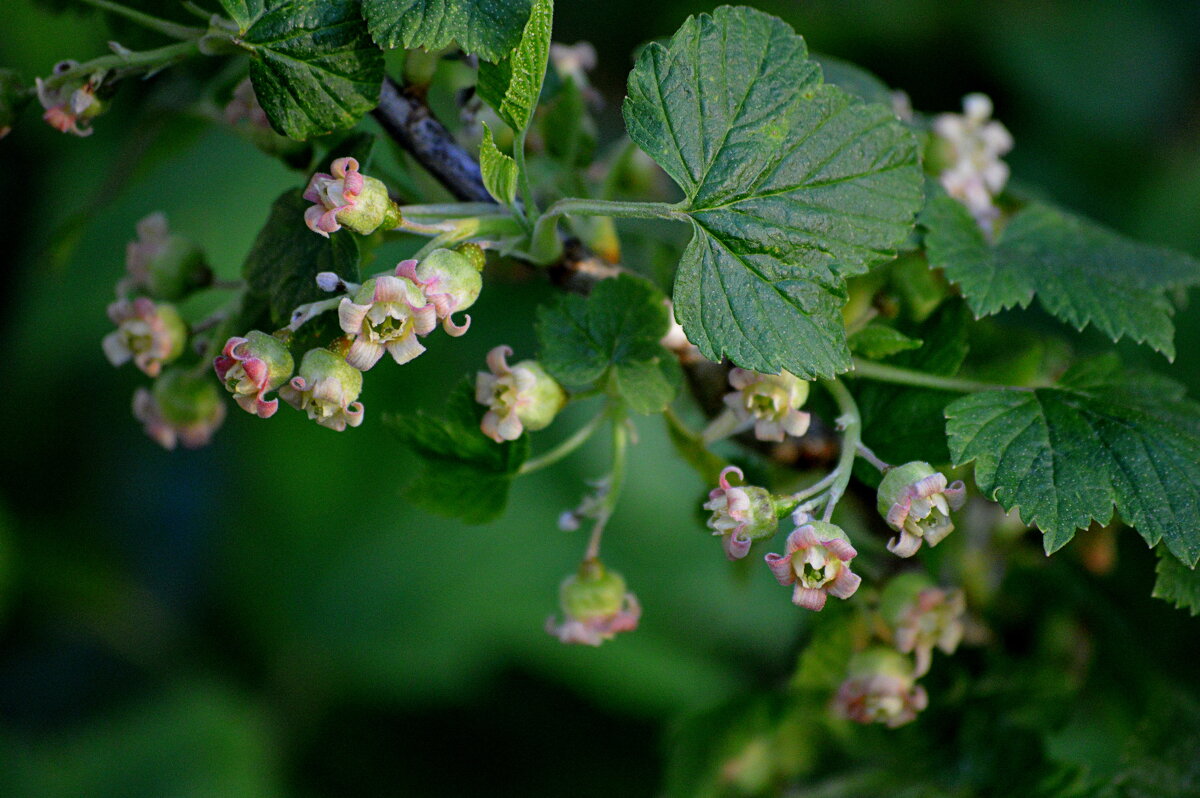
(315, 68)
(512, 85)
(487, 28)
(1079, 271)
(613, 335)
(790, 183)
(283, 264)
(1101, 438)
(463, 473)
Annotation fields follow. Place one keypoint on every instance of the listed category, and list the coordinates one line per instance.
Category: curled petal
(844, 585)
(723, 479)
(408, 270)
(354, 413)
(312, 192)
(905, 544)
(809, 598)
(497, 359)
(898, 514)
(404, 349)
(956, 494)
(736, 545)
(781, 567)
(313, 217)
(796, 422)
(342, 167)
(351, 316)
(804, 537)
(841, 549)
(929, 486)
(425, 319)
(455, 330)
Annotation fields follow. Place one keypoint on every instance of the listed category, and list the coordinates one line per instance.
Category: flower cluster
(740, 514)
(771, 401)
(971, 146)
(916, 502)
(596, 606)
(517, 397)
(69, 105)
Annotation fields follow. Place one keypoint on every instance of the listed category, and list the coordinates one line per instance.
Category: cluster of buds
(817, 563)
(518, 397)
(70, 105)
(348, 198)
(919, 616)
(148, 333)
(880, 687)
(163, 265)
(916, 502)
(595, 606)
(741, 514)
(970, 145)
(771, 402)
(181, 408)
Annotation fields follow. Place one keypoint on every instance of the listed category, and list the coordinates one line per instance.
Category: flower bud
(880, 687)
(451, 281)
(149, 334)
(348, 198)
(13, 97)
(518, 397)
(595, 606)
(916, 502)
(741, 515)
(70, 103)
(165, 266)
(250, 367)
(771, 400)
(921, 616)
(327, 388)
(387, 314)
(817, 562)
(182, 407)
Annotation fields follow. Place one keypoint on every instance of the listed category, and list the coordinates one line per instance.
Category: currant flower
(519, 397)
(149, 334)
(740, 514)
(973, 144)
(773, 401)
(387, 313)
(595, 605)
(348, 198)
(181, 408)
(817, 562)
(163, 265)
(251, 366)
(71, 103)
(450, 281)
(880, 687)
(922, 616)
(916, 502)
(327, 388)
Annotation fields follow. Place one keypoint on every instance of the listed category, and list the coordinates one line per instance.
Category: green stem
(565, 448)
(172, 29)
(620, 442)
(531, 209)
(882, 372)
(851, 423)
(452, 210)
(544, 244)
(155, 59)
(464, 229)
(865, 453)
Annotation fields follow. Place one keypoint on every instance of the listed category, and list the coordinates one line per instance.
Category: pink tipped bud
(348, 198)
(327, 388)
(740, 514)
(596, 606)
(251, 366)
(149, 334)
(916, 501)
(817, 563)
(771, 401)
(880, 687)
(182, 408)
(519, 397)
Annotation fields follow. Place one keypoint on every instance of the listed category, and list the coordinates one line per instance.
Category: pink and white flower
(741, 514)
(817, 562)
(249, 367)
(387, 314)
(71, 103)
(975, 143)
(327, 389)
(596, 606)
(149, 334)
(450, 281)
(916, 501)
(922, 616)
(519, 397)
(771, 401)
(181, 409)
(347, 198)
(880, 688)
(164, 265)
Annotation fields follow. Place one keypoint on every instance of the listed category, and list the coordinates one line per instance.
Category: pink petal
(408, 270)
(736, 544)
(313, 216)
(404, 349)
(905, 545)
(841, 549)
(844, 585)
(781, 567)
(723, 479)
(454, 330)
(497, 359)
(390, 289)
(956, 494)
(354, 413)
(809, 598)
(802, 537)
(363, 354)
(351, 316)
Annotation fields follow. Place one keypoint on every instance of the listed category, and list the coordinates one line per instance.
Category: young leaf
(499, 170)
(1081, 273)
(286, 257)
(486, 28)
(1177, 583)
(512, 85)
(463, 473)
(314, 67)
(877, 340)
(791, 184)
(612, 334)
(1101, 438)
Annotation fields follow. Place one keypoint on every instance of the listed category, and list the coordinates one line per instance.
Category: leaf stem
(531, 208)
(165, 27)
(545, 246)
(155, 59)
(882, 372)
(865, 453)
(851, 424)
(565, 448)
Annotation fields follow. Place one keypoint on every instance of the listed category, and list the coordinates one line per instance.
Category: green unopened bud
(880, 687)
(596, 606)
(921, 616)
(327, 388)
(451, 280)
(475, 254)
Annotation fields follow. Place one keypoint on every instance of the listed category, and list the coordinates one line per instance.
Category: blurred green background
(267, 617)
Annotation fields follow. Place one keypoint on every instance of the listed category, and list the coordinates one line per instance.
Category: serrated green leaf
(499, 170)
(1177, 583)
(463, 473)
(486, 28)
(1100, 439)
(1080, 272)
(314, 66)
(512, 85)
(612, 336)
(283, 264)
(791, 184)
(877, 341)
